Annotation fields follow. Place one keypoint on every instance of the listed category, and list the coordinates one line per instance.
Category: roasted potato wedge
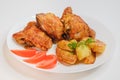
(97, 47)
(82, 52)
(66, 57)
(63, 44)
(90, 59)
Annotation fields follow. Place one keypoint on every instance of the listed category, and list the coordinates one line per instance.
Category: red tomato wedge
(24, 53)
(48, 62)
(40, 55)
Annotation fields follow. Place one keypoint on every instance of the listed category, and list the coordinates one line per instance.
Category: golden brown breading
(31, 36)
(19, 37)
(50, 24)
(75, 26)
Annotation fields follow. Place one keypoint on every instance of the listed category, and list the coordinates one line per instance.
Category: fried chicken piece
(75, 26)
(50, 24)
(31, 36)
(19, 37)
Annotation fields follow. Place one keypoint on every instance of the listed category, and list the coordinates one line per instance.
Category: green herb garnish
(81, 43)
(86, 42)
(72, 45)
(89, 40)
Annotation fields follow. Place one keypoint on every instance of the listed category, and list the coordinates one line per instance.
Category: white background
(13, 12)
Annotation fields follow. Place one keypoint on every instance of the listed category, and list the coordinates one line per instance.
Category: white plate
(102, 33)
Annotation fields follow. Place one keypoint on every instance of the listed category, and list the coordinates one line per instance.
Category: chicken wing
(31, 36)
(50, 24)
(75, 26)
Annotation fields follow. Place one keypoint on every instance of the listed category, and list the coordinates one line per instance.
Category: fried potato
(82, 52)
(90, 59)
(97, 47)
(63, 44)
(66, 57)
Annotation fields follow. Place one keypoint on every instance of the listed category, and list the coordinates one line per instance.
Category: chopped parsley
(89, 40)
(72, 45)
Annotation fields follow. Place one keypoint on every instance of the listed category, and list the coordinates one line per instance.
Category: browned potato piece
(66, 57)
(63, 44)
(90, 59)
(82, 52)
(98, 46)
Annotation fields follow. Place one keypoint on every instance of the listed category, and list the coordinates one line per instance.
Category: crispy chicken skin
(74, 26)
(50, 24)
(31, 36)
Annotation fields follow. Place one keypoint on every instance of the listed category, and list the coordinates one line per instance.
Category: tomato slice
(48, 62)
(24, 53)
(40, 55)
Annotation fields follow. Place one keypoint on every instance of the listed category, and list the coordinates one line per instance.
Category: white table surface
(13, 12)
